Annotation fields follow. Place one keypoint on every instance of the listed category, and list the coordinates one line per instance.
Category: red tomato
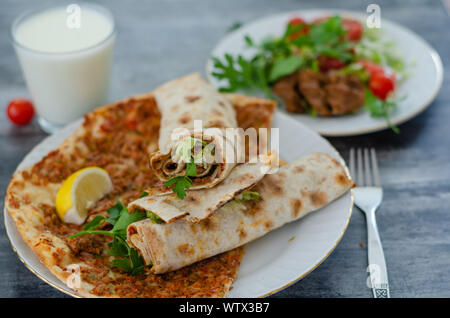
(20, 111)
(327, 63)
(354, 29)
(296, 22)
(381, 85)
(372, 68)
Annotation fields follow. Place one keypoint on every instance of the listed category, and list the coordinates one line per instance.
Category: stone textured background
(163, 39)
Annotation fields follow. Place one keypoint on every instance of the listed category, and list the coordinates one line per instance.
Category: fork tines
(365, 168)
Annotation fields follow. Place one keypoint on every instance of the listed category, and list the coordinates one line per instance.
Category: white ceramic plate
(420, 89)
(270, 263)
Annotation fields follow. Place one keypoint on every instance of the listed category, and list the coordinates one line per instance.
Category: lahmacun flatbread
(118, 138)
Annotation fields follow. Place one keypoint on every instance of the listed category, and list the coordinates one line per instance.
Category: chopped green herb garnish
(284, 66)
(154, 217)
(143, 194)
(181, 183)
(234, 27)
(119, 217)
(238, 202)
(380, 108)
(278, 57)
(191, 169)
(248, 196)
(184, 151)
(94, 223)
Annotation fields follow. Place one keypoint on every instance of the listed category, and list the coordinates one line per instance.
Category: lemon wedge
(80, 191)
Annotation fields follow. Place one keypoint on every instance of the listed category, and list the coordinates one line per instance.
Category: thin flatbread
(297, 189)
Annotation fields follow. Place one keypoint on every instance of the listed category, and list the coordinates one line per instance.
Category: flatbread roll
(198, 205)
(297, 189)
(182, 102)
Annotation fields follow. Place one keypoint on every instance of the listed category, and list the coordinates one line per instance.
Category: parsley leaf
(117, 248)
(114, 212)
(243, 74)
(328, 32)
(234, 27)
(126, 219)
(120, 219)
(191, 169)
(380, 108)
(181, 183)
(184, 151)
(94, 223)
(143, 194)
(284, 66)
(122, 263)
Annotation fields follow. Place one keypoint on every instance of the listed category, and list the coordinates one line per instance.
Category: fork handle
(377, 264)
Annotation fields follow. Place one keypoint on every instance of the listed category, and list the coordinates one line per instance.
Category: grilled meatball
(286, 89)
(345, 93)
(326, 93)
(311, 86)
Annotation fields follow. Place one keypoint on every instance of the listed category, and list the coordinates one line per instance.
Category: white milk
(66, 61)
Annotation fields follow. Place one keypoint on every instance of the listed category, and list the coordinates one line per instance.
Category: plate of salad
(329, 70)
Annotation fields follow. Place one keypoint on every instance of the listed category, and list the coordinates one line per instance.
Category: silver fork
(368, 195)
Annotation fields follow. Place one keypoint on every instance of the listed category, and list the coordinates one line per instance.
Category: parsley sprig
(380, 108)
(182, 183)
(128, 258)
(184, 151)
(277, 57)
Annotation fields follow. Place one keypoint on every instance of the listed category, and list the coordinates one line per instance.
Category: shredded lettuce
(238, 202)
(184, 148)
(247, 196)
(373, 47)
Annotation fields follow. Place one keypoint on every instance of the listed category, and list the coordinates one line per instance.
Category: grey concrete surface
(163, 39)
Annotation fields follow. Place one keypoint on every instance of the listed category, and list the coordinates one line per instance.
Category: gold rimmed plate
(271, 263)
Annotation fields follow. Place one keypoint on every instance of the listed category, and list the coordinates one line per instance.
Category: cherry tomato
(327, 63)
(296, 22)
(381, 85)
(20, 111)
(354, 29)
(372, 68)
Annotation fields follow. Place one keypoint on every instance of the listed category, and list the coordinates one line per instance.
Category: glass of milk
(65, 53)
